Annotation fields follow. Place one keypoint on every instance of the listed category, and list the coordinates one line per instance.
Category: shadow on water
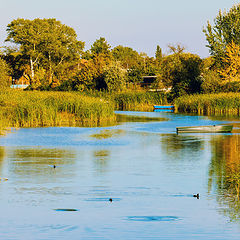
(224, 174)
(153, 218)
(66, 210)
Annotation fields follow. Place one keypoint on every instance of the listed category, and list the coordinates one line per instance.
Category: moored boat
(163, 106)
(205, 129)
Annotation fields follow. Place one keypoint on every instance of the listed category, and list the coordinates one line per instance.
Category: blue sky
(140, 24)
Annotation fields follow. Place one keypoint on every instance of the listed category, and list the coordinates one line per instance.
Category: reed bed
(139, 101)
(31, 109)
(218, 104)
(133, 100)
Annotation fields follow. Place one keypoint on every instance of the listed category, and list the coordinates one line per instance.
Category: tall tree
(158, 54)
(231, 71)
(4, 76)
(182, 73)
(44, 42)
(115, 77)
(224, 30)
(100, 46)
(127, 56)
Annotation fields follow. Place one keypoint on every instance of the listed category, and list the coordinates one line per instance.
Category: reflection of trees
(177, 145)
(101, 159)
(38, 162)
(224, 173)
(2, 155)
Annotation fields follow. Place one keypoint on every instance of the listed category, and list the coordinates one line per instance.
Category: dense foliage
(48, 56)
(4, 76)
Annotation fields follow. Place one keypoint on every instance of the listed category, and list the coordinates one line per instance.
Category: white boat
(205, 129)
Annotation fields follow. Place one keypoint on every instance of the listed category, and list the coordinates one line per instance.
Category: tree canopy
(44, 43)
(224, 31)
(4, 76)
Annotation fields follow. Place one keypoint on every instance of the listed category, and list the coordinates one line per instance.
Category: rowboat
(163, 106)
(205, 129)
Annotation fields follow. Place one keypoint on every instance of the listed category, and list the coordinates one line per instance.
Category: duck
(196, 195)
(110, 200)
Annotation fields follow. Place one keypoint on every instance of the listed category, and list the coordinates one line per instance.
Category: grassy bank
(30, 109)
(133, 100)
(220, 104)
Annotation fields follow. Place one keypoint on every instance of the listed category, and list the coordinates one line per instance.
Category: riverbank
(33, 109)
(132, 100)
(219, 104)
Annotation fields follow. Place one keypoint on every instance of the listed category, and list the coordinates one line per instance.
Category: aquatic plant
(219, 103)
(29, 109)
(132, 100)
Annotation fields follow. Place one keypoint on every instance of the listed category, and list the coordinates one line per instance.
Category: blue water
(149, 172)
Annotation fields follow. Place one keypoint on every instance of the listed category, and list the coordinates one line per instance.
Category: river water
(149, 172)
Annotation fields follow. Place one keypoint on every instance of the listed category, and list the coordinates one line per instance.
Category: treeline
(47, 55)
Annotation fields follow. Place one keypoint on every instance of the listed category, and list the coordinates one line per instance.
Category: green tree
(87, 73)
(46, 43)
(115, 76)
(4, 76)
(100, 46)
(224, 31)
(181, 72)
(158, 54)
(128, 57)
(211, 81)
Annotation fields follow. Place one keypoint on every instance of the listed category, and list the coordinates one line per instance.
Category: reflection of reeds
(233, 180)
(29, 109)
(220, 103)
(224, 173)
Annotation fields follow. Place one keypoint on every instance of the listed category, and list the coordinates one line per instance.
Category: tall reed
(220, 103)
(133, 100)
(27, 109)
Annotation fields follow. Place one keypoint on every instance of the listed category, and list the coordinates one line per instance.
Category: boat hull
(206, 129)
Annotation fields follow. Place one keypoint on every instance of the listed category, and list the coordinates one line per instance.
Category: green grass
(30, 109)
(45, 108)
(220, 104)
(133, 100)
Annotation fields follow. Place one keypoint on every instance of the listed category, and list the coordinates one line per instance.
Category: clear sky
(140, 24)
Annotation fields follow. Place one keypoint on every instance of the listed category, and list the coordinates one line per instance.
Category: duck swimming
(196, 195)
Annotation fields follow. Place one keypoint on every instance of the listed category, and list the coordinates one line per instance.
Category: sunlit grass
(133, 100)
(31, 109)
(220, 103)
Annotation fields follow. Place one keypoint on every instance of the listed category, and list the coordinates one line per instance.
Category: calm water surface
(149, 171)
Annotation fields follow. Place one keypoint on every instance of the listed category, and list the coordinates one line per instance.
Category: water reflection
(188, 145)
(224, 173)
(107, 133)
(38, 162)
(101, 158)
(2, 155)
(148, 171)
(153, 218)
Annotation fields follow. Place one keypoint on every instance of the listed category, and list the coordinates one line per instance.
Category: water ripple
(153, 218)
